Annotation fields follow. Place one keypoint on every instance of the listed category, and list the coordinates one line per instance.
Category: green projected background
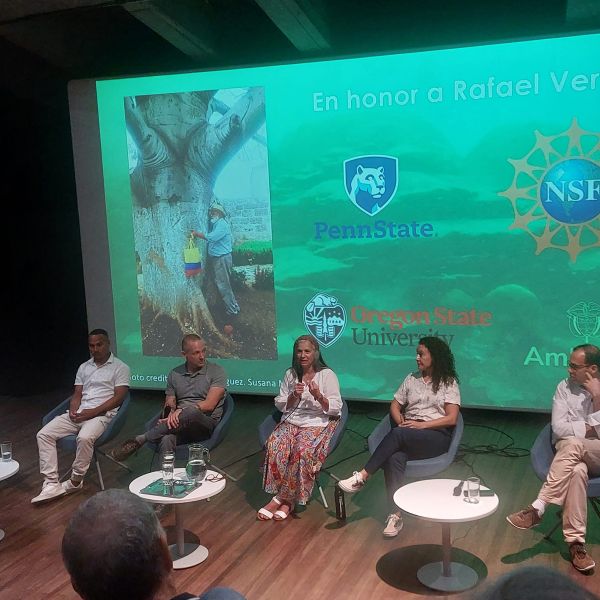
(371, 201)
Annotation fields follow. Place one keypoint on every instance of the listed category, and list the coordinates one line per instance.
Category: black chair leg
(556, 526)
(595, 502)
(109, 457)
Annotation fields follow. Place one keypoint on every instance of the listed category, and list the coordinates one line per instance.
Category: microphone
(299, 372)
(458, 489)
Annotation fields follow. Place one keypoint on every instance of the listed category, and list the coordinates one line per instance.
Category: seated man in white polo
(575, 431)
(101, 385)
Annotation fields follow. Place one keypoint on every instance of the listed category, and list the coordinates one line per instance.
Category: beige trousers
(566, 483)
(87, 433)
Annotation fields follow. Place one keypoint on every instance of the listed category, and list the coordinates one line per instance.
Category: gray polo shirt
(188, 388)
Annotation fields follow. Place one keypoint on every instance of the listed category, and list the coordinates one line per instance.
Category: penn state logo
(555, 191)
(371, 181)
(584, 319)
(325, 318)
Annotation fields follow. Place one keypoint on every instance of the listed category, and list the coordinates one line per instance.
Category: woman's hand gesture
(314, 390)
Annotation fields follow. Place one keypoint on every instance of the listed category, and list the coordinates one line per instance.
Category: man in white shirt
(576, 432)
(101, 385)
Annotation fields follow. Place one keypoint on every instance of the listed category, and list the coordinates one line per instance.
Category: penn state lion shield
(371, 181)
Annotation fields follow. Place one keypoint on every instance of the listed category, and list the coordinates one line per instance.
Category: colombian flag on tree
(192, 258)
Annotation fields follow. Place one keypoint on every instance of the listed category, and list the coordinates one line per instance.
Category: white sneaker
(393, 525)
(70, 488)
(50, 490)
(352, 484)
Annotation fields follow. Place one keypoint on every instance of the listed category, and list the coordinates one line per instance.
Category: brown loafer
(125, 450)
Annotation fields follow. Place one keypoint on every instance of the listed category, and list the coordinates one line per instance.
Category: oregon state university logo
(325, 318)
(371, 181)
(555, 192)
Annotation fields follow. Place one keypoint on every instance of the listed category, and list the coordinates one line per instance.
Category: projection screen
(369, 201)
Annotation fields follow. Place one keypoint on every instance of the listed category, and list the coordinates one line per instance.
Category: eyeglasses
(576, 367)
(214, 478)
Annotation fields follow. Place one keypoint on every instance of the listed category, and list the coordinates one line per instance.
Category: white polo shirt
(99, 382)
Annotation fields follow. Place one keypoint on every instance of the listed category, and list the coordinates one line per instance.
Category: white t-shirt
(99, 382)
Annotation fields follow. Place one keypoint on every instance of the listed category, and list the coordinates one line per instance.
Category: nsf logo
(555, 192)
(325, 318)
(570, 191)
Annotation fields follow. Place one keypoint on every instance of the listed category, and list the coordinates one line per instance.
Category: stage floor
(311, 555)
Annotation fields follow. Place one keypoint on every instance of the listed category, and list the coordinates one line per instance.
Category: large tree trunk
(176, 158)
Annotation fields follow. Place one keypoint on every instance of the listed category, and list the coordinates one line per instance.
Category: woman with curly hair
(310, 401)
(423, 415)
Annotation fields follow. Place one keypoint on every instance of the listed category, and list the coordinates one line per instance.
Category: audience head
(534, 583)
(311, 343)
(114, 547)
(442, 361)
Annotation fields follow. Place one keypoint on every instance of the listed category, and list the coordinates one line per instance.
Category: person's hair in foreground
(534, 583)
(442, 369)
(113, 547)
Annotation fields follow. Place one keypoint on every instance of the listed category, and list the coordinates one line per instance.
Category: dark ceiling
(44, 43)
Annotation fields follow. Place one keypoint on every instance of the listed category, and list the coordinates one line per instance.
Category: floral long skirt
(293, 458)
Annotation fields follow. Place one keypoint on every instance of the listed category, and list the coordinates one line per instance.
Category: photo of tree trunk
(198, 169)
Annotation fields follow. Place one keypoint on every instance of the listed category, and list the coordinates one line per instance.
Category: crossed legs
(566, 483)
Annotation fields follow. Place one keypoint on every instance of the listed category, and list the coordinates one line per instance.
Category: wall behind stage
(452, 192)
(43, 303)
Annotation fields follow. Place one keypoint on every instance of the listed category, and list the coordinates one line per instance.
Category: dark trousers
(400, 445)
(194, 426)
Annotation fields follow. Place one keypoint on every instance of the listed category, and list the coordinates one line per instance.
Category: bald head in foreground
(114, 547)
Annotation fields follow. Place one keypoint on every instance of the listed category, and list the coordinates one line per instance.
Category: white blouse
(421, 402)
(307, 412)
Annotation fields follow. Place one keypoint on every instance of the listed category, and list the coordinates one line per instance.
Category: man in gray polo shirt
(194, 401)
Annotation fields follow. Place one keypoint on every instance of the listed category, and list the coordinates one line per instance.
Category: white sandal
(267, 514)
(280, 515)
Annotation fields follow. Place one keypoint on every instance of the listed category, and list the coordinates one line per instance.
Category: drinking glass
(473, 485)
(6, 448)
(167, 467)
